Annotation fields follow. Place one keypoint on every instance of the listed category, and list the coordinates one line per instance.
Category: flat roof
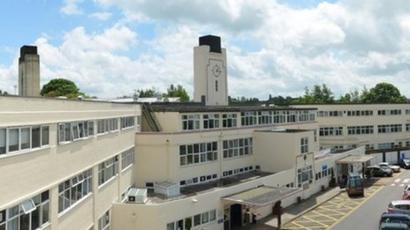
(354, 159)
(198, 107)
(262, 196)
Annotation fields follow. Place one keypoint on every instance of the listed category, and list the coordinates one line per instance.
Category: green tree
(177, 91)
(148, 92)
(383, 93)
(61, 87)
(3, 93)
(319, 94)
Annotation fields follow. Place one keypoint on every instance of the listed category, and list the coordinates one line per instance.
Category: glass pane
(2, 141)
(25, 138)
(28, 206)
(45, 213)
(12, 224)
(45, 135)
(25, 222)
(13, 140)
(171, 226)
(35, 219)
(35, 137)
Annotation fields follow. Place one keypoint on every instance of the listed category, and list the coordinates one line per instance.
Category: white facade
(210, 76)
(57, 155)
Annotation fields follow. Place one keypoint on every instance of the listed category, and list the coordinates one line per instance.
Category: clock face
(216, 70)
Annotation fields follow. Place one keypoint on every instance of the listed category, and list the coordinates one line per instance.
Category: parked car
(405, 163)
(354, 186)
(399, 206)
(394, 218)
(406, 193)
(378, 171)
(395, 168)
(393, 226)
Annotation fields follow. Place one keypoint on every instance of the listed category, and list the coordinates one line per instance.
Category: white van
(399, 206)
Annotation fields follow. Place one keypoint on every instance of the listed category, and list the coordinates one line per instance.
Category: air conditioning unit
(137, 195)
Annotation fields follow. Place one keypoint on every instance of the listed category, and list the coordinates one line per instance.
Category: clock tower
(210, 75)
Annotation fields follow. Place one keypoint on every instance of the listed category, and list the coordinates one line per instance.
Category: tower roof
(214, 43)
(27, 50)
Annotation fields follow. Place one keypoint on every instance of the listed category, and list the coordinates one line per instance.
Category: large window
(191, 122)
(74, 189)
(198, 180)
(107, 125)
(211, 121)
(107, 170)
(127, 122)
(104, 222)
(331, 131)
(304, 145)
(23, 138)
(237, 147)
(198, 153)
(249, 118)
(193, 221)
(229, 120)
(72, 131)
(31, 214)
(127, 158)
(394, 128)
(237, 171)
(304, 175)
(265, 117)
(279, 117)
(360, 130)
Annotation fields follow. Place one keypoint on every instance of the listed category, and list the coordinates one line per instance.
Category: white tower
(29, 72)
(210, 75)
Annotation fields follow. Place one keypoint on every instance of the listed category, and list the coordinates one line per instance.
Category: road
(367, 216)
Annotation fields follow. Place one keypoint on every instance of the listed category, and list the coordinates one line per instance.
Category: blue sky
(112, 47)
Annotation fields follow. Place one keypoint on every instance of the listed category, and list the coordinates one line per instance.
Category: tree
(383, 93)
(317, 95)
(3, 93)
(61, 87)
(351, 97)
(148, 92)
(177, 91)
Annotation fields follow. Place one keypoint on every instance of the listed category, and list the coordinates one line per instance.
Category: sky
(110, 48)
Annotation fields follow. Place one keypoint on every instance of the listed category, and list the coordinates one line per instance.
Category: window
(72, 131)
(107, 125)
(304, 147)
(198, 180)
(25, 138)
(74, 189)
(45, 136)
(105, 221)
(233, 172)
(265, 117)
(127, 122)
(127, 158)
(229, 120)
(198, 153)
(193, 221)
(28, 215)
(211, 121)
(394, 128)
(360, 130)
(216, 85)
(190, 122)
(305, 174)
(2, 141)
(331, 131)
(291, 116)
(13, 139)
(35, 137)
(279, 117)
(107, 170)
(407, 130)
(248, 118)
(237, 147)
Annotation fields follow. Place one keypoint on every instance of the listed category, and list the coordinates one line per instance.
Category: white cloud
(272, 48)
(70, 7)
(102, 16)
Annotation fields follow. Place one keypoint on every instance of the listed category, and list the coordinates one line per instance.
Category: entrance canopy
(261, 196)
(355, 159)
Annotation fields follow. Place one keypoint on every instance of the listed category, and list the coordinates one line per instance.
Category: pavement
(333, 209)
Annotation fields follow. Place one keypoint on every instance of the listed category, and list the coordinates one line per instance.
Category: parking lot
(332, 211)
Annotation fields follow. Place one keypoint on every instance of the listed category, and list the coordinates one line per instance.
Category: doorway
(236, 216)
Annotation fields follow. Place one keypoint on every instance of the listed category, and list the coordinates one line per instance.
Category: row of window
(31, 214)
(360, 130)
(357, 113)
(74, 189)
(189, 223)
(72, 131)
(250, 118)
(331, 131)
(394, 128)
(24, 138)
(237, 171)
(198, 180)
(198, 153)
(237, 147)
(107, 125)
(384, 112)
(324, 173)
